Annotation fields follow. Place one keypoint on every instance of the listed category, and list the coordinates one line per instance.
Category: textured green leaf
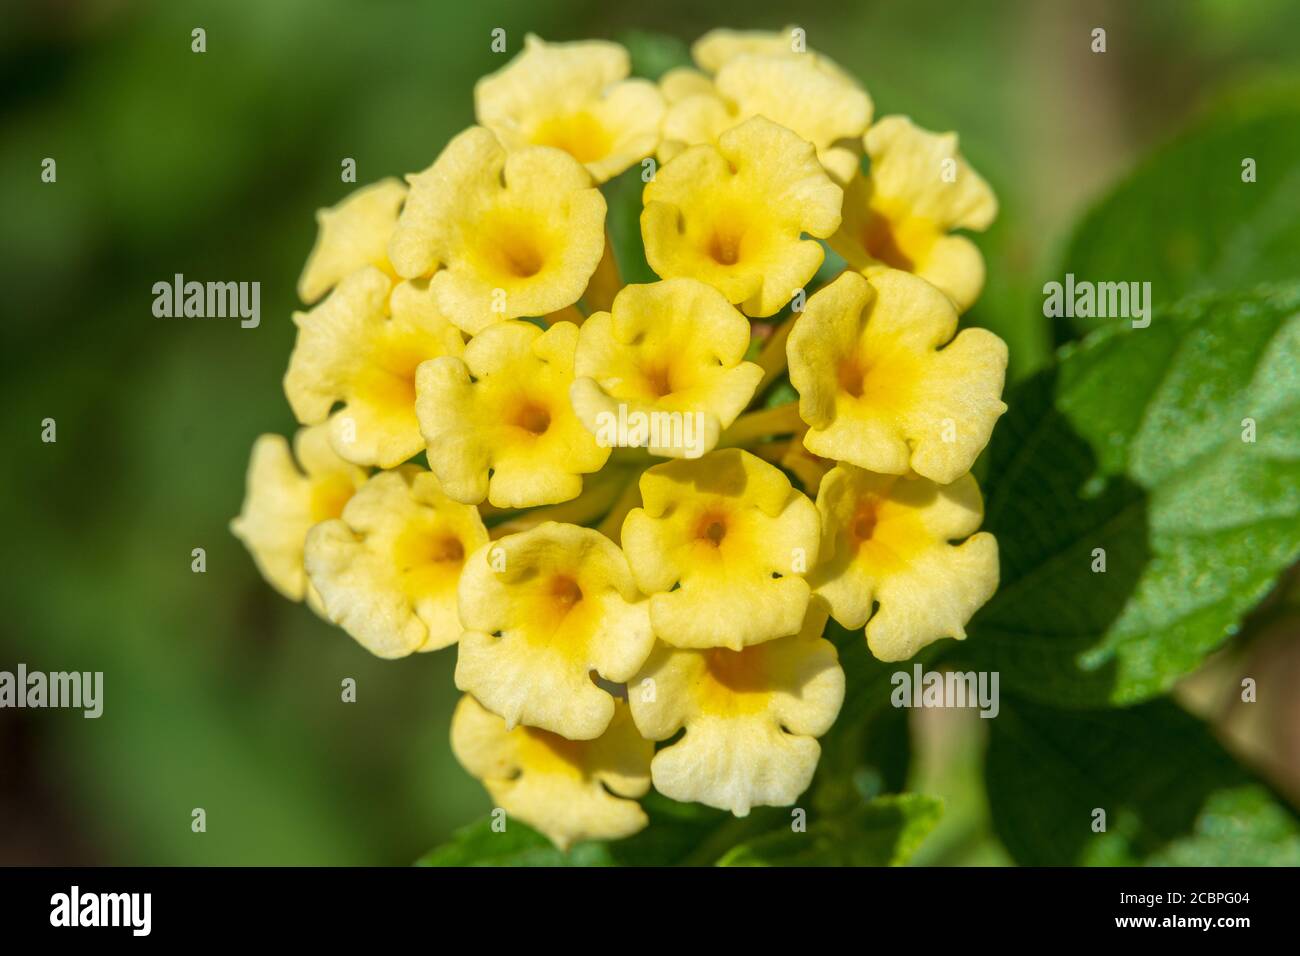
(518, 845)
(1170, 793)
(1135, 446)
(1227, 234)
(882, 832)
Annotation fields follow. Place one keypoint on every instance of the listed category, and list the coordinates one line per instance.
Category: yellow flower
(575, 97)
(499, 424)
(387, 570)
(352, 235)
(900, 215)
(722, 545)
(665, 370)
(284, 500)
(751, 717)
(882, 386)
(887, 541)
(568, 790)
(717, 48)
(361, 347)
(503, 235)
(823, 107)
(681, 82)
(734, 215)
(546, 611)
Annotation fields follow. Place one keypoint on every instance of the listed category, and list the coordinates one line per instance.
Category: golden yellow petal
(503, 235)
(734, 215)
(665, 370)
(882, 387)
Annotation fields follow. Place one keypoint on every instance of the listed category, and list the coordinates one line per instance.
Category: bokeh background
(221, 695)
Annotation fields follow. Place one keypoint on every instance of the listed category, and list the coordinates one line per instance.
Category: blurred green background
(221, 695)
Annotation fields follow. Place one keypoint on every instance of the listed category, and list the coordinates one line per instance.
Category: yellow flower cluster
(634, 545)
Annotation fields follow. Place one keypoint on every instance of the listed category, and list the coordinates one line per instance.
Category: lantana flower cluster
(606, 496)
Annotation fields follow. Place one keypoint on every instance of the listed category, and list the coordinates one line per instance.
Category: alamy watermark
(1098, 300)
(921, 688)
(75, 908)
(657, 430)
(72, 689)
(208, 300)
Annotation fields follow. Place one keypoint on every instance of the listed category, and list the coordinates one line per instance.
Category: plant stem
(764, 423)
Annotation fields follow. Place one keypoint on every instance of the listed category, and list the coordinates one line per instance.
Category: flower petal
(567, 790)
(575, 97)
(542, 610)
(361, 347)
(665, 370)
(734, 215)
(882, 387)
(283, 501)
(751, 717)
(352, 235)
(505, 409)
(888, 542)
(503, 235)
(722, 544)
(388, 569)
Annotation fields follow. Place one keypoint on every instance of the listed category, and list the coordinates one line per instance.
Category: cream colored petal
(545, 77)
(282, 503)
(569, 791)
(934, 598)
(352, 235)
(897, 543)
(351, 350)
(665, 370)
(826, 110)
(750, 717)
(505, 408)
(543, 610)
(387, 571)
(683, 81)
(721, 545)
(720, 46)
(736, 765)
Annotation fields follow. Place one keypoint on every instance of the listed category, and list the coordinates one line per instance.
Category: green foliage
(1227, 234)
(1135, 445)
(517, 845)
(654, 54)
(884, 832)
(1170, 793)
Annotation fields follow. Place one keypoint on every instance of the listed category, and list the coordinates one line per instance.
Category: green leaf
(623, 197)
(1186, 222)
(1134, 445)
(654, 54)
(518, 845)
(1170, 793)
(883, 832)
